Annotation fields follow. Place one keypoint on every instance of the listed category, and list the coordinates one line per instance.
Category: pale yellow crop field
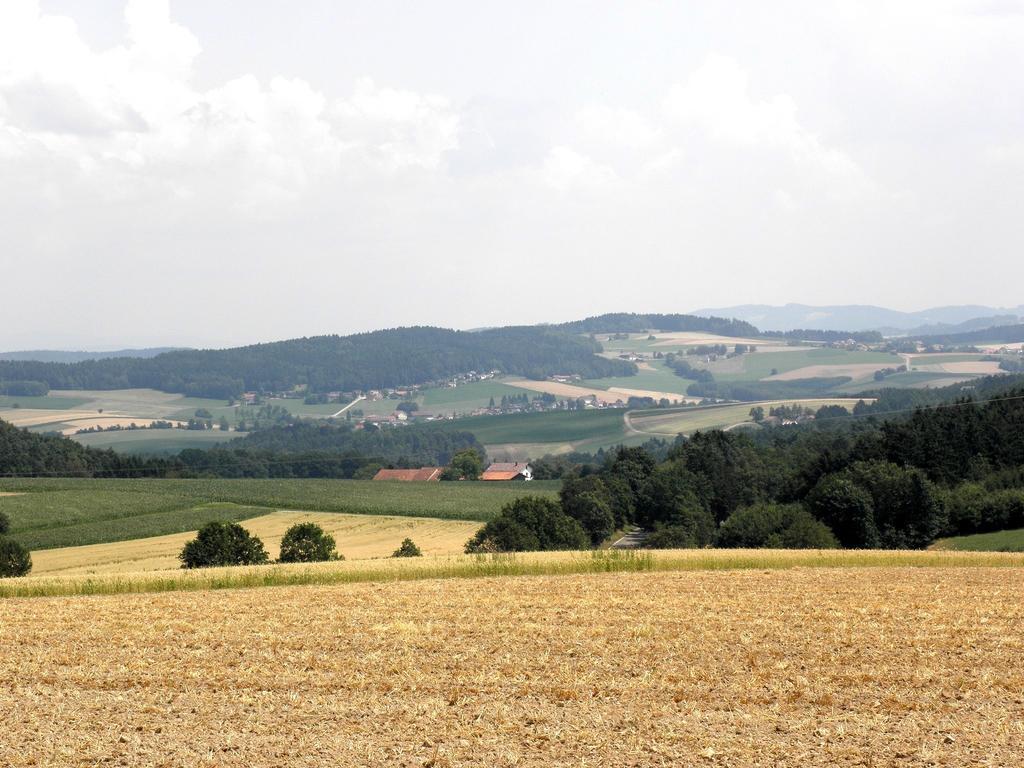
(908, 667)
(610, 395)
(564, 390)
(694, 338)
(357, 536)
(984, 367)
(853, 370)
(719, 416)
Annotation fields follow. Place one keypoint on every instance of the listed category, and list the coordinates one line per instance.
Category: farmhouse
(508, 470)
(422, 474)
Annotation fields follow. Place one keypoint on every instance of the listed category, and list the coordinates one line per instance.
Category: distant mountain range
(62, 356)
(861, 317)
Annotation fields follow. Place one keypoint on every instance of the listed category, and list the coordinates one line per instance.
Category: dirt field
(104, 422)
(610, 395)
(358, 537)
(672, 397)
(986, 367)
(803, 667)
(72, 420)
(32, 417)
(8, 493)
(693, 338)
(853, 370)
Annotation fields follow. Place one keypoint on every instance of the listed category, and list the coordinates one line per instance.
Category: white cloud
(715, 99)
(603, 124)
(176, 152)
(399, 127)
(565, 169)
(132, 117)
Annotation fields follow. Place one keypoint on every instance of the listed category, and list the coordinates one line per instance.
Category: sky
(218, 173)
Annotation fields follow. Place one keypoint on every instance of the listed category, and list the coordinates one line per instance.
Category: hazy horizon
(195, 174)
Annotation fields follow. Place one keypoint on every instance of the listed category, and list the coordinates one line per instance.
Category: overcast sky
(214, 173)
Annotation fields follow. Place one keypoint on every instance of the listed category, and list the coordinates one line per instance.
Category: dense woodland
(301, 450)
(1003, 334)
(859, 482)
(389, 358)
(629, 322)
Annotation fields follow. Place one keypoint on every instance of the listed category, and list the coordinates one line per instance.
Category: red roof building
(508, 470)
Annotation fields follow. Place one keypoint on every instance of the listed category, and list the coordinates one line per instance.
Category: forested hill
(1003, 334)
(629, 322)
(328, 363)
(25, 453)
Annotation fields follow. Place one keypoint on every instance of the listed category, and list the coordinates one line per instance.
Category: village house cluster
(500, 471)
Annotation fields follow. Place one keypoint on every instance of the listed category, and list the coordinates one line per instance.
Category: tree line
(387, 358)
(303, 450)
(898, 483)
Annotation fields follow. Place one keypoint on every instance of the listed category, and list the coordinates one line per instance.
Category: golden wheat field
(358, 537)
(797, 667)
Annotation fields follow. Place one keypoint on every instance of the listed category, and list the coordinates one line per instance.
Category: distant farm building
(508, 470)
(423, 474)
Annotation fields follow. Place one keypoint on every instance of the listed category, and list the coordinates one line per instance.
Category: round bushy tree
(530, 523)
(223, 544)
(671, 537)
(847, 509)
(408, 548)
(5, 524)
(775, 526)
(586, 499)
(307, 543)
(15, 560)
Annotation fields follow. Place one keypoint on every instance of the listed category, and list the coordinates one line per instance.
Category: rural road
(336, 415)
(632, 540)
(629, 426)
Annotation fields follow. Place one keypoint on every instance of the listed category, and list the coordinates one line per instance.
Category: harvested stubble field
(799, 667)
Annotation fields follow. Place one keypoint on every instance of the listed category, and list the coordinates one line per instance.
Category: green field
(661, 379)
(940, 358)
(466, 397)
(45, 403)
(158, 442)
(998, 541)
(71, 512)
(548, 427)
(759, 365)
(910, 380)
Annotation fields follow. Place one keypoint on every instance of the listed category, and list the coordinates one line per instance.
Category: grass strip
(497, 565)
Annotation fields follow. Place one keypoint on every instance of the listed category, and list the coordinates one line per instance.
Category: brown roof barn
(508, 470)
(409, 475)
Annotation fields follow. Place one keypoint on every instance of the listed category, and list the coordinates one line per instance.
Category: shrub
(847, 509)
(5, 524)
(530, 523)
(408, 549)
(468, 463)
(775, 526)
(223, 544)
(974, 509)
(586, 500)
(669, 499)
(671, 537)
(15, 560)
(307, 543)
